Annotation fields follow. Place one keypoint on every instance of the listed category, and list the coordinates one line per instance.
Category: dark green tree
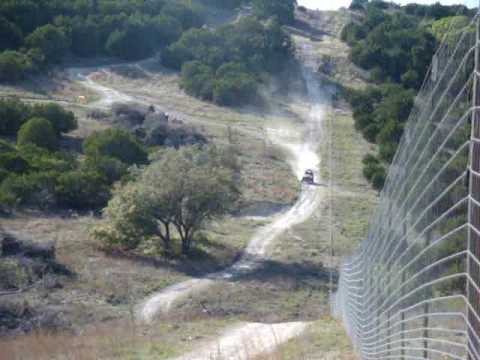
(14, 66)
(197, 79)
(63, 121)
(116, 143)
(51, 40)
(13, 114)
(11, 36)
(284, 10)
(39, 132)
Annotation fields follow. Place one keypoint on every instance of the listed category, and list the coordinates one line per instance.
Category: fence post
(426, 307)
(473, 247)
(402, 319)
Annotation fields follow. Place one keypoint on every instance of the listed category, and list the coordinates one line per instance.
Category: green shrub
(39, 132)
(116, 143)
(234, 85)
(35, 189)
(40, 159)
(12, 36)
(226, 4)
(13, 162)
(3, 174)
(227, 63)
(197, 80)
(378, 180)
(63, 121)
(82, 190)
(14, 274)
(6, 146)
(110, 168)
(14, 66)
(13, 114)
(51, 40)
(186, 15)
(284, 10)
(128, 44)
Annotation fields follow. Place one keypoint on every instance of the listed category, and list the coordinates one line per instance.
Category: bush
(231, 58)
(13, 114)
(39, 132)
(3, 175)
(82, 190)
(197, 80)
(378, 180)
(284, 10)
(116, 143)
(63, 121)
(35, 189)
(11, 35)
(110, 168)
(167, 29)
(157, 202)
(14, 66)
(225, 4)
(51, 40)
(13, 162)
(40, 159)
(6, 146)
(374, 171)
(128, 44)
(234, 85)
(187, 16)
(358, 4)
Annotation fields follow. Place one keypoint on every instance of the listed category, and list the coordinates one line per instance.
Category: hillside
(102, 268)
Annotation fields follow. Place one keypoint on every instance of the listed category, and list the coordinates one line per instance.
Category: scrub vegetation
(395, 44)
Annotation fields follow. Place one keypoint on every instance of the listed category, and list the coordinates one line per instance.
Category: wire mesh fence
(412, 290)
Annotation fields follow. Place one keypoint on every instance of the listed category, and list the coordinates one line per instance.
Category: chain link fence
(412, 290)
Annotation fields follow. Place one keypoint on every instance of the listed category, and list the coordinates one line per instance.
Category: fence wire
(412, 290)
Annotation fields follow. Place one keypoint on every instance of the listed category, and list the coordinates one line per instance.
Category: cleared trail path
(300, 142)
(246, 341)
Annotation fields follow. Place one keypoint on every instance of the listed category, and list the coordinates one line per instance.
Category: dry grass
(292, 286)
(325, 339)
(328, 45)
(122, 339)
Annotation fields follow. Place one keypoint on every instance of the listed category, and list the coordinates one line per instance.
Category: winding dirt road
(245, 341)
(300, 143)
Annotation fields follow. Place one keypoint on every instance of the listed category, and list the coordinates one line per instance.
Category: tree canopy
(174, 196)
(284, 10)
(118, 144)
(225, 65)
(39, 132)
(396, 44)
(37, 33)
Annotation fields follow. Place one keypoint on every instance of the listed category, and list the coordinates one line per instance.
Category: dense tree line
(36, 33)
(283, 10)
(230, 60)
(396, 44)
(227, 64)
(36, 172)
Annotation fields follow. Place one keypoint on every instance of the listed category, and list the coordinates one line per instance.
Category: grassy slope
(106, 288)
(293, 286)
(352, 200)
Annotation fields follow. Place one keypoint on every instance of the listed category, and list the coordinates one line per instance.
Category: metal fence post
(426, 308)
(402, 319)
(473, 306)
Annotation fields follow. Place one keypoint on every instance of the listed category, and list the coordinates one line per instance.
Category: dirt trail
(300, 143)
(302, 156)
(246, 341)
(301, 146)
